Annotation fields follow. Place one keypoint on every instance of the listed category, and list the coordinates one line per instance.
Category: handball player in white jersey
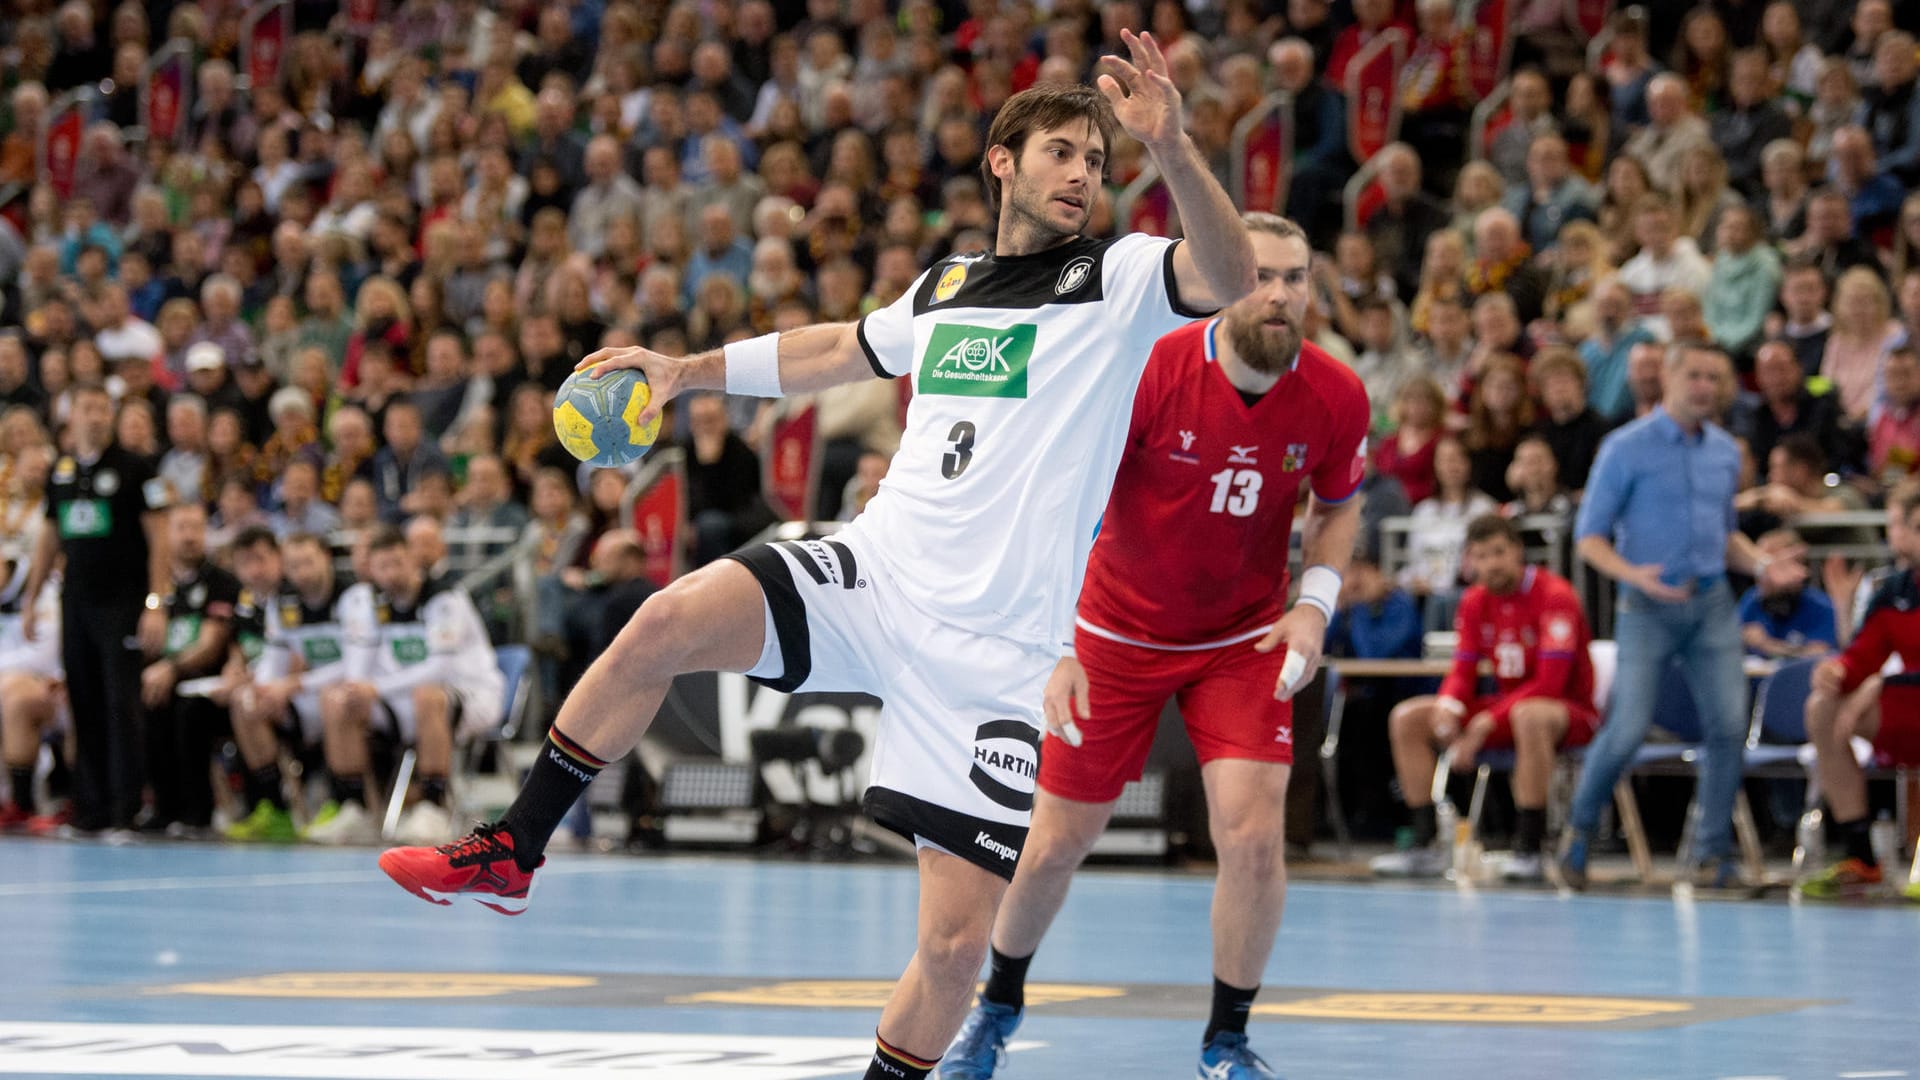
(952, 596)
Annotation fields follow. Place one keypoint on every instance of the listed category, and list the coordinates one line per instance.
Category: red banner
(1373, 106)
(1152, 212)
(657, 518)
(792, 469)
(362, 16)
(1491, 47)
(64, 130)
(164, 96)
(1589, 16)
(1264, 174)
(266, 44)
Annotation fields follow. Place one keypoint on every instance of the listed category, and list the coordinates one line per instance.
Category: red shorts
(1225, 697)
(1898, 739)
(1582, 723)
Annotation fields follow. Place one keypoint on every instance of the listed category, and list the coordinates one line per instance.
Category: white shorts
(958, 747)
(468, 712)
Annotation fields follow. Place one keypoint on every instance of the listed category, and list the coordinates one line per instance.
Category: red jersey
(1536, 637)
(1192, 552)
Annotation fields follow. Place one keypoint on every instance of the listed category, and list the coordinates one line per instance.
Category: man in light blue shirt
(1605, 353)
(1658, 519)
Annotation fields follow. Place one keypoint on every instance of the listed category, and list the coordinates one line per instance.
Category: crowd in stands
(344, 298)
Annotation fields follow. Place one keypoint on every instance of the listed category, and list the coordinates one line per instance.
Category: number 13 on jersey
(1236, 491)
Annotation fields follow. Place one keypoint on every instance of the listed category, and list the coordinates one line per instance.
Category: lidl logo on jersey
(977, 361)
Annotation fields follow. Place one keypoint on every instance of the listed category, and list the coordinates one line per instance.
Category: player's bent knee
(429, 698)
(953, 951)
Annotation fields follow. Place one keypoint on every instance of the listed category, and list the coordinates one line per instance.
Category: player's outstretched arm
(1215, 267)
(772, 365)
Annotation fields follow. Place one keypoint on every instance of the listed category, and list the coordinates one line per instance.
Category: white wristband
(1320, 587)
(753, 366)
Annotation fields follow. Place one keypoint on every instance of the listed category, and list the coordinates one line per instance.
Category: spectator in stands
(1497, 332)
(723, 483)
(301, 509)
(1616, 330)
(1371, 19)
(1578, 262)
(1674, 601)
(403, 465)
(1829, 242)
(1503, 262)
(20, 150)
(1794, 61)
(1530, 115)
(443, 394)
(1437, 538)
(1782, 406)
(1873, 196)
(1807, 323)
(1864, 332)
(1786, 621)
(1893, 437)
(1797, 485)
(1834, 719)
(1384, 362)
(1406, 222)
(1673, 128)
(1890, 106)
(1571, 427)
(16, 383)
(1700, 57)
(1751, 120)
(1744, 283)
(1498, 414)
(1626, 185)
(1436, 91)
(1666, 260)
(609, 193)
(184, 467)
(721, 252)
(1630, 69)
(1551, 195)
(1534, 479)
(1407, 451)
(1377, 619)
(1321, 162)
(1783, 202)
(1703, 195)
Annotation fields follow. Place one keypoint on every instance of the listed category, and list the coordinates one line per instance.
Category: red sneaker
(50, 824)
(12, 818)
(479, 865)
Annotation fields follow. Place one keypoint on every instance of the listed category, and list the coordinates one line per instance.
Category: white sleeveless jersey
(1024, 372)
(39, 655)
(441, 640)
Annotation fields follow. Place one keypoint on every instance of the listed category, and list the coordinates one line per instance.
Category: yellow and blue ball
(598, 419)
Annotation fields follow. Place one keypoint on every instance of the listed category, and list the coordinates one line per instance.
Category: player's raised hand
(1303, 631)
(1064, 699)
(1145, 101)
(663, 374)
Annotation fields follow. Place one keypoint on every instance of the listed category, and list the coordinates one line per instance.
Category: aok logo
(977, 361)
(1006, 759)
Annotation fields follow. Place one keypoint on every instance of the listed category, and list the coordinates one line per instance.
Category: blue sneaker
(1573, 863)
(981, 1046)
(1228, 1057)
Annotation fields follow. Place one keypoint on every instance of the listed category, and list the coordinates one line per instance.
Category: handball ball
(598, 420)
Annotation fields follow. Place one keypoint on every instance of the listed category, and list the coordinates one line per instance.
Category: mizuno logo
(1242, 455)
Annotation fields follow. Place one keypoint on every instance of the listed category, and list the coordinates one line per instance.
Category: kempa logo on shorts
(1006, 759)
(988, 843)
(977, 361)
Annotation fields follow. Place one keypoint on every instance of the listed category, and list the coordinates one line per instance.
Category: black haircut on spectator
(1043, 108)
(386, 538)
(1804, 449)
(305, 539)
(253, 536)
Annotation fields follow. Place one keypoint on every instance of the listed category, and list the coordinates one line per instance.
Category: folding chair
(1777, 746)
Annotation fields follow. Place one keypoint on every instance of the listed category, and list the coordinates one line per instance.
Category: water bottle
(1810, 841)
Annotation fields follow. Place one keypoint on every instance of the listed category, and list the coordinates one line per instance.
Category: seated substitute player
(1892, 628)
(1185, 597)
(1024, 363)
(1528, 622)
(256, 562)
(303, 653)
(29, 694)
(181, 729)
(420, 666)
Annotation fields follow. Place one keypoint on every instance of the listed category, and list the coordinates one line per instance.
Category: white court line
(254, 881)
(1884, 1074)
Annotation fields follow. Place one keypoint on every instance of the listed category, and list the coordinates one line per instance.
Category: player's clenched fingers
(1272, 641)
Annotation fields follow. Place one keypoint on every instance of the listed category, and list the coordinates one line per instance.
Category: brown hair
(1484, 430)
(1493, 526)
(1557, 360)
(1043, 108)
(1905, 496)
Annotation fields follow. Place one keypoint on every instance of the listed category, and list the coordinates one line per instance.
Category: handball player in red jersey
(1185, 598)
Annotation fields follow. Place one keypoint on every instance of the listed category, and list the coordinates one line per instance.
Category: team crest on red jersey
(1295, 458)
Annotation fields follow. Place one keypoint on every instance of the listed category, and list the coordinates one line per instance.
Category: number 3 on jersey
(1236, 491)
(955, 462)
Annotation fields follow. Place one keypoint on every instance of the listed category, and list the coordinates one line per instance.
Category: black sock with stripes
(893, 1063)
(561, 772)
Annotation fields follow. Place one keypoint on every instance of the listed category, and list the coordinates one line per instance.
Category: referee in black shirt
(105, 508)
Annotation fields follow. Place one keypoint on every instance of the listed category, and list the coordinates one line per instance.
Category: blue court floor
(180, 960)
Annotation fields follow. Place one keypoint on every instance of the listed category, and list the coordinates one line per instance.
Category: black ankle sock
(893, 1063)
(433, 789)
(1006, 979)
(348, 789)
(1426, 825)
(263, 784)
(1857, 836)
(561, 772)
(22, 776)
(1529, 828)
(1230, 1007)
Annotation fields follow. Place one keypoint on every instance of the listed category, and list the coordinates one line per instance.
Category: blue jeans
(1703, 634)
